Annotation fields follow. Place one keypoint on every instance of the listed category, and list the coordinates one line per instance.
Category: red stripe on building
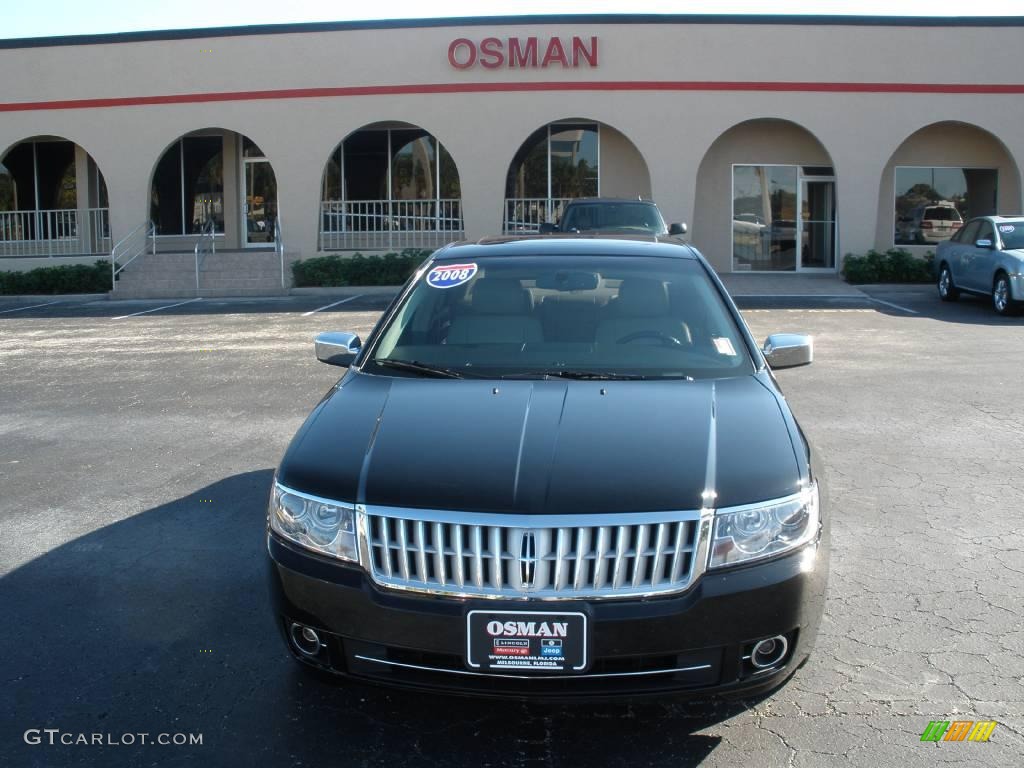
(590, 85)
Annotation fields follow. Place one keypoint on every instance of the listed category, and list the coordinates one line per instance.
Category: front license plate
(535, 641)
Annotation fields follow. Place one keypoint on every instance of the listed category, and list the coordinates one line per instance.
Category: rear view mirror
(337, 348)
(677, 229)
(983, 243)
(788, 350)
(569, 281)
(547, 228)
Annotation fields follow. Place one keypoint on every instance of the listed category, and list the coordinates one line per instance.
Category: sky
(76, 17)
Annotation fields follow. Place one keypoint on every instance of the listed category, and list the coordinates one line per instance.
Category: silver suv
(930, 224)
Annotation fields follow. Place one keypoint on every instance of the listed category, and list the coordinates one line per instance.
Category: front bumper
(692, 642)
(1017, 287)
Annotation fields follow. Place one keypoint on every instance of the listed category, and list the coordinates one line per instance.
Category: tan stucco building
(783, 142)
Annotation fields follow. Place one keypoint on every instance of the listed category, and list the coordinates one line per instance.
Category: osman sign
(523, 53)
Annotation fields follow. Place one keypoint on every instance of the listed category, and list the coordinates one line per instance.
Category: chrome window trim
(530, 677)
(512, 520)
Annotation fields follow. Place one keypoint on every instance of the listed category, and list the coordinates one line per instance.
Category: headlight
(752, 533)
(328, 527)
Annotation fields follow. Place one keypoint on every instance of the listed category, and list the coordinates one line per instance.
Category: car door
(981, 261)
(960, 251)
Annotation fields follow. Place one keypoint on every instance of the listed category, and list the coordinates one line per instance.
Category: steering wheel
(664, 338)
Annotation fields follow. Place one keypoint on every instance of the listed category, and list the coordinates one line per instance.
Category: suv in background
(929, 224)
(609, 215)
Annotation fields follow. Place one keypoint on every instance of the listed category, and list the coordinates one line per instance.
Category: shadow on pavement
(160, 623)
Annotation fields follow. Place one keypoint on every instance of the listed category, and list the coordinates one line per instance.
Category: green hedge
(70, 278)
(334, 270)
(894, 266)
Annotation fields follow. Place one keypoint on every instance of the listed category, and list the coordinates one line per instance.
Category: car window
(1012, 234)
(969, 232)
(942, 213)
(614, 216)
(985, 231)
(526, 315)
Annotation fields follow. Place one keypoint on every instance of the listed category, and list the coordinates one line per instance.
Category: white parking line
(31, 306)
(157, 309)
(318, 309)
(895, 306)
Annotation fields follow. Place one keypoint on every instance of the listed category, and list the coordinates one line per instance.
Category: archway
(940, 176)
(53, 200)
(390, 185)
(767, 200)
(567, 159)
(214, 181)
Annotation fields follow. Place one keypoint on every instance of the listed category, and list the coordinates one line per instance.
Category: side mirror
(983, 243)
(677, 229)
(337, 348)
(546, 228)
(788, 350)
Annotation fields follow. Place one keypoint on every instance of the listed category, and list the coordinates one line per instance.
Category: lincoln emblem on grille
(528, 559)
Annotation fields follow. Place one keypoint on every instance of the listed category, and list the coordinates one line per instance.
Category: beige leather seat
(500, 312)
(641, 306)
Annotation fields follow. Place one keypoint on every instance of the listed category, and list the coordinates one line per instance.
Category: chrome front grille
(537, 557)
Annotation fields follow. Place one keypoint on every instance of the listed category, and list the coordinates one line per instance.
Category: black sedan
(556, 467)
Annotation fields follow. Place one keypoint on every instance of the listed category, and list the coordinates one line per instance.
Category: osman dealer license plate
(536, 641)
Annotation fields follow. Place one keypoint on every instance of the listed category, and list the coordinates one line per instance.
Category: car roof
(567, 245)
(1018, 217)
(609, 200)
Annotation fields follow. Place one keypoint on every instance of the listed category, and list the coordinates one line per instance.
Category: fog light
(768, 653)
(306, 640)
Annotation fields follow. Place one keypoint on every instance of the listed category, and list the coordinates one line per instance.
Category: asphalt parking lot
(136, 454)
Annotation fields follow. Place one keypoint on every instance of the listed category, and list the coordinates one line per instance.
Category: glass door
(817, 242)
(260, 203)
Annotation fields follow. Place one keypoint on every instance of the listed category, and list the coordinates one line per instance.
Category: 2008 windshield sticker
(1006, 228)
(450, 275)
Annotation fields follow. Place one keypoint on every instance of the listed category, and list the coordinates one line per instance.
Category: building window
(39, 176)
(556, 163)
(391, 164)
(390, 188)
(931, 204)
(45, 198)
(783, 218)
(188, 187)
(560, 160)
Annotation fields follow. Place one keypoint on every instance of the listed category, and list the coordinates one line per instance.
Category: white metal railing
(377, 224)
(206, 244)
(526, 214)
(54, 232)
(140, 240)
(279, 246)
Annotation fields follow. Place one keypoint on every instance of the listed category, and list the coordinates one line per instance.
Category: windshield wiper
(589, 376)
(422, 368)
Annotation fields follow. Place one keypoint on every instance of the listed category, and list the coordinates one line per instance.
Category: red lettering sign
(469, 58)
(523, 53)
(491, 54)
(519, 57)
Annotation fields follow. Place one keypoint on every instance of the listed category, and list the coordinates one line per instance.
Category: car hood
(546, 447)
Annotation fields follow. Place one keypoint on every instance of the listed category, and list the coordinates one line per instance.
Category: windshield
(574, 316)
(941, 213)
(1012, 234)
(614, 217)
